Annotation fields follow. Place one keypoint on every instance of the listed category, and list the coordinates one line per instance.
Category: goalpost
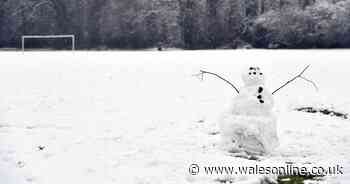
(24, 37)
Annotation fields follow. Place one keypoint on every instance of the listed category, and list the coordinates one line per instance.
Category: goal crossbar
(48, 36)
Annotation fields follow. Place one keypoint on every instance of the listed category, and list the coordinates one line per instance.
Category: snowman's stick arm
(202, 72)
(310, 81)
(300, 75)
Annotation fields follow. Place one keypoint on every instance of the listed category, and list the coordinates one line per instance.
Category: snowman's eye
(249, 73)
(254, 73)
(261, 73)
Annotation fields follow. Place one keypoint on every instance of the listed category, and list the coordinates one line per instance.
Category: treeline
(187, 24)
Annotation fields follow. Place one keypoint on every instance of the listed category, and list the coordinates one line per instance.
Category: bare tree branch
(300, 75)
(201, 77)
(34, 7)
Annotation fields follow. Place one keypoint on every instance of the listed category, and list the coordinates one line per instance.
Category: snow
(251, 134)
(142, 117)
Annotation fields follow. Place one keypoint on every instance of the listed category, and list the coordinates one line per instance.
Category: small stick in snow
(201, 76)
(300, 75)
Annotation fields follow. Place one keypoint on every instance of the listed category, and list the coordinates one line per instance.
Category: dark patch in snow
(253, 157)
(249, 157)
(20, 164)
(30, 180)
(289, 162)
(324, 111)
(307, 163)
(30, 127)
(40, 148)
(201, 121)
(4, 126)
(214, 133)
(219, 180)
(298, 179)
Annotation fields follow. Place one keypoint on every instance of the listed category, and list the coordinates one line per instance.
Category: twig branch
(310, 81)
(201, 77)
(300, 75)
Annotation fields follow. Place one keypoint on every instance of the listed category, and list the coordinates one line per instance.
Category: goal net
(49, 39)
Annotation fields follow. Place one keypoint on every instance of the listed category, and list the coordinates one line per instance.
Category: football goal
(26, 37)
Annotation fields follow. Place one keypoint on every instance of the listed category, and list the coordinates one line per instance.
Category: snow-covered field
(143, 118)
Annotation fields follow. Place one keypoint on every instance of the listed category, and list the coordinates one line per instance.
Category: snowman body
(250, 125)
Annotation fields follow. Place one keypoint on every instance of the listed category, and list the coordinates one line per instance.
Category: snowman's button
(260, 89)
(259, 97)
(261, 101)
(251, 68)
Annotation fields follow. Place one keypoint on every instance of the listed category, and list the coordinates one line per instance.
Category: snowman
(249, 125)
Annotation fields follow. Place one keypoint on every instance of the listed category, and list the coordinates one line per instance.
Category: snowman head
(253, 76)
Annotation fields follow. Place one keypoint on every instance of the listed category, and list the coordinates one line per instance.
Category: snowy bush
(323, 25)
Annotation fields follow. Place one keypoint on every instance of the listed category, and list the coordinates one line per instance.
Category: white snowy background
(142, 118)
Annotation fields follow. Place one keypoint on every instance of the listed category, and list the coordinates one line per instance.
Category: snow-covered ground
(143, 118)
